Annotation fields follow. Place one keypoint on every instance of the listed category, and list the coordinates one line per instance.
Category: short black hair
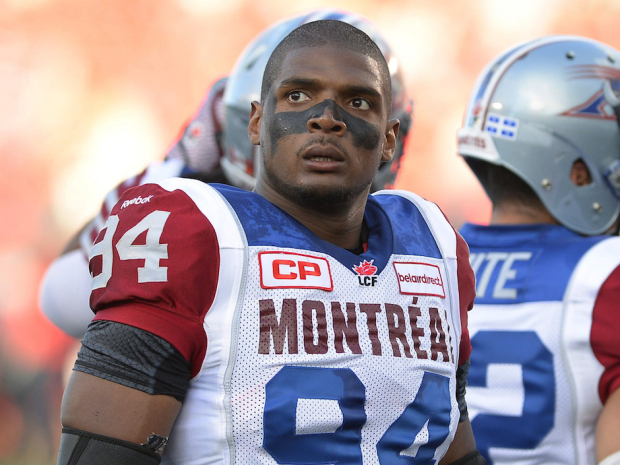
(322, 33)
(502, 185)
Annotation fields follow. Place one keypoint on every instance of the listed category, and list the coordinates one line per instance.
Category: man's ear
(391, 134)
(256, 114)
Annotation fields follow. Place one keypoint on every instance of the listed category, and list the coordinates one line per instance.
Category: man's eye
(360, 103)
(297, 96)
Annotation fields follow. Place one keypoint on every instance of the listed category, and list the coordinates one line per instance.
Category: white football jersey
(301, 352)
(544, 341)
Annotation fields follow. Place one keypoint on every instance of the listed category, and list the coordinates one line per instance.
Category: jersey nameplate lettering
(419, 279)
(503, 281)
(287, 270)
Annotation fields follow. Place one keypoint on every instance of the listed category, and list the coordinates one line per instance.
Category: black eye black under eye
(365, 134)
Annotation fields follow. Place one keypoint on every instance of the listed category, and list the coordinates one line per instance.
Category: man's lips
(323, 158)
(323, 153)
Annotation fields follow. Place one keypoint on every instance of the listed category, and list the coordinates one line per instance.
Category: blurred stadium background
(92, 90)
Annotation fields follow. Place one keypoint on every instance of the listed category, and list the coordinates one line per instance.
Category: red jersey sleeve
(604, 333)
(155, 267)
(467, 293)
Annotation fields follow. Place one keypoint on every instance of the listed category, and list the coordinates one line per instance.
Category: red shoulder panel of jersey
(155, 266)
(604, 334)
(467, 293)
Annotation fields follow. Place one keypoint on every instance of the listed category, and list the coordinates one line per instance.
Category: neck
(518, 213)
(339, 224)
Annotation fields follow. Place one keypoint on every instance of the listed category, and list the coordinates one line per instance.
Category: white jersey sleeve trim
(590, 273)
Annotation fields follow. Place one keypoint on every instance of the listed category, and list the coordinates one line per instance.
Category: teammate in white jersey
(305, 322)
(213, 148)
(542, 135)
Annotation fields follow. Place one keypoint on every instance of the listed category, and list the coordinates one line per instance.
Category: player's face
(323, 129)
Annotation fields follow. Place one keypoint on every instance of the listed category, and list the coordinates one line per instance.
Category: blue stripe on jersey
(395, 226)
(523, 263)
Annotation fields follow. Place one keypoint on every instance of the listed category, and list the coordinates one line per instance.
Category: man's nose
(327, 121)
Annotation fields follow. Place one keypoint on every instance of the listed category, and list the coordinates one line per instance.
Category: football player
(234, 322)
(541, 133)
(214, 147)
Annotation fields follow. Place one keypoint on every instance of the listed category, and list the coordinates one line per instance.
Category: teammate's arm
(74, 242)
(608, 429)
(65, 289)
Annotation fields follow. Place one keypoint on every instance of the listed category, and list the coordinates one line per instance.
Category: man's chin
(325, 197)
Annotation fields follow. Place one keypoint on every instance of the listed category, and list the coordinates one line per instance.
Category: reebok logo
(136, 201)
(419, 279)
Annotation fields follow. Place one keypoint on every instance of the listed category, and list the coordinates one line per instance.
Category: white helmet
(240, 160)
(541, 106)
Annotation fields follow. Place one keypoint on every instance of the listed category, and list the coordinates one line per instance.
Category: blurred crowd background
(93, 90)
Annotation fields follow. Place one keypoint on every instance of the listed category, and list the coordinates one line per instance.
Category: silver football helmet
(541, 106)
(240, 161)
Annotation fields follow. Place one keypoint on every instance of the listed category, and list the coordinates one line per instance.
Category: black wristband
(79, 447)
(473, 458)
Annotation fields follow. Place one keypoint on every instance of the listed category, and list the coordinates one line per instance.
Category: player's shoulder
(156, 263)
(168, 192)
(185, 198)
(603, 253)
(408, 210)
(384, 195)
(428, 209)
(603, 244)
(595, 265)
(177, 226)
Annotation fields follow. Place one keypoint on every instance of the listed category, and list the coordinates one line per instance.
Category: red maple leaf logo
(366, 268)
